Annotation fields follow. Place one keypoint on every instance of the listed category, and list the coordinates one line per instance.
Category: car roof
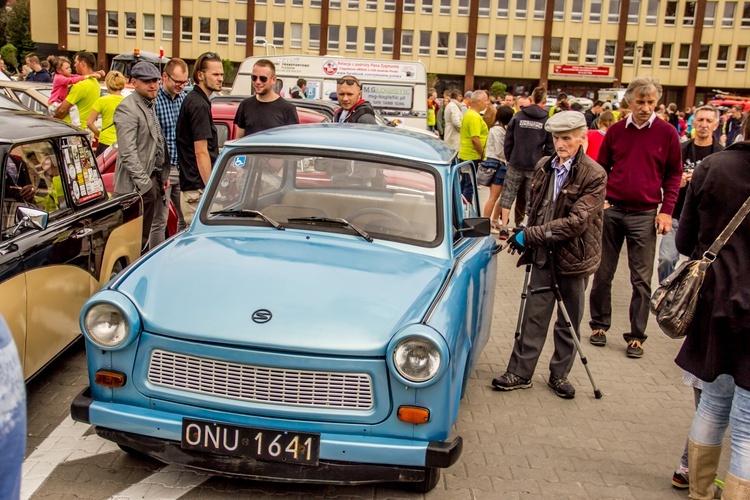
(26, 85)
(17, 126)
(370, 139)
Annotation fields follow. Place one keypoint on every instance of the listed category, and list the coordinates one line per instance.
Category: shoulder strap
(713, 250)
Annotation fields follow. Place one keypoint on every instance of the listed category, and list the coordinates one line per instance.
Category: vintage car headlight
(106, 324)
(417, 359)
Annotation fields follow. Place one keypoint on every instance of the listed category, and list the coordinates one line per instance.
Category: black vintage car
(62, 236)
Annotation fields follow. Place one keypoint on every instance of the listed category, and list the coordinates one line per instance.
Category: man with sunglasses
(353, 108)
(169, 100)
(266, 109)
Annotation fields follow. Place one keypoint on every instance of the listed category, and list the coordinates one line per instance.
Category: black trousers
(637, 229)
(536, 318)
(150, 200)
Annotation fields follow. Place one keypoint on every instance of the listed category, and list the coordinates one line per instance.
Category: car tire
(119, 266)
(431, 478)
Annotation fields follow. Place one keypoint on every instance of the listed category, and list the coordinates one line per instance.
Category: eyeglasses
(179, 83)
(263, 79)
(348, 81)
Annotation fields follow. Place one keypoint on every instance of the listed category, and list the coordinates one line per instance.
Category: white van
(397, 89)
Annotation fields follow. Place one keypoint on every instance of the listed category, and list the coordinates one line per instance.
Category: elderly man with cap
(565, 216)
(142, 161)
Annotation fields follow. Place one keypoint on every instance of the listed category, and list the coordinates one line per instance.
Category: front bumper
(367, 460)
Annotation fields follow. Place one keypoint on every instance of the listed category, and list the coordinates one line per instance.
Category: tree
(498, 89)
(432, 80)
(15, 27)
(9, 53)
(229, 70)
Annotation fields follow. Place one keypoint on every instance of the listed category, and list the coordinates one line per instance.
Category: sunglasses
(263, 79)
(348, 81)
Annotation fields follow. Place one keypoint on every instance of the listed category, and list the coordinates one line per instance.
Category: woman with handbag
(495, 165)
(717, 346)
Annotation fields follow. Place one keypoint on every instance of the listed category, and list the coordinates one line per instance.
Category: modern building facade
(692, 47)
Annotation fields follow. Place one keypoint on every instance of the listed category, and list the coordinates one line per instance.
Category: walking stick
(524, 294)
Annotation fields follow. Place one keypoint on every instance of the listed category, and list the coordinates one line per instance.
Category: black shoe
(598, 337)
(635, 349)
(562, 387)
(510, 381)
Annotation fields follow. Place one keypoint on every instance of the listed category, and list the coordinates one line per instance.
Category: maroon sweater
(642, 164)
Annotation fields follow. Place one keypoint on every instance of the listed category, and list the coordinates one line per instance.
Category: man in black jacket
(565, 212)
(353, 108)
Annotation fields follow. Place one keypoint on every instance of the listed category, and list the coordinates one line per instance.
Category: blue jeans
(725, 404)
(668, 254)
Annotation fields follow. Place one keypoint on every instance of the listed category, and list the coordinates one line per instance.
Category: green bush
(9, 54)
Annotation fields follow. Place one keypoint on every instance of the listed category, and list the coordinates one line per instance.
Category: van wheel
(431, 478)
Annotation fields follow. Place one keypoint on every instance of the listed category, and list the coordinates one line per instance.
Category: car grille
(260, 384)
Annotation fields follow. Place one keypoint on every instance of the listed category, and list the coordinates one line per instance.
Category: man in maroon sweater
(643, 159)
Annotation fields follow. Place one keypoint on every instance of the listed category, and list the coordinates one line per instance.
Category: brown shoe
(598, 337)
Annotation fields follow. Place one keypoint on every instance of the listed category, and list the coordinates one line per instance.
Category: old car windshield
(385, 201)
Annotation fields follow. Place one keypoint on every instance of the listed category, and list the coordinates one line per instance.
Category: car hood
(326, 293)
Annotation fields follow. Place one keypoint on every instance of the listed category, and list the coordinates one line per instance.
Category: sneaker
(598, 337)
(504, 233)
(562, 387)
(681, 479)
(510, 381)
(635, 349)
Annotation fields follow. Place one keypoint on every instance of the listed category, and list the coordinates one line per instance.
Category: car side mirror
(31, 218)
(475, 227)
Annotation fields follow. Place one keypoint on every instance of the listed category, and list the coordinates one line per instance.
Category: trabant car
(61, 236)
(33, 95)
(318, 322)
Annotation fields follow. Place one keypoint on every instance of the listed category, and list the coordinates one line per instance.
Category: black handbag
(675, 300)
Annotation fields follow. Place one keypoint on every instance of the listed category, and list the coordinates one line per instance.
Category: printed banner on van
(370, 69)
(388, 96)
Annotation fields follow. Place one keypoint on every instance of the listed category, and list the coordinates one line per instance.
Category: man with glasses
(353, 108)
(197, 139)
(266, 109)
(169, 99)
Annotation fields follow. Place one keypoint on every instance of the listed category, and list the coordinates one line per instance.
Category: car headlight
(106, 324)
(417, 359)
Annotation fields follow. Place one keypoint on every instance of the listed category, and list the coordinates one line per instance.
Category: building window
(728, 20)
(559, 12)
(665, 59)
(279, 2)
(629, 55)
(113, 23)
(313, 40)
(740, 62)
(592, 51)
(335, 4)
(722, 57)
(484, 8)
(746, 15)
(426, 6)
(595, 16)
(149, 29)
(502, 9)
(555, 48)
(92, 22)
(425, 38)
(613, 16)
(634, 11)
(352, 4)
(462, 41)
(445, 7)
(278, 34)
(647, 56)
(204, 26)
(610, 46)
(670, 15)
(130, 25)
(535, 52)
(463, 7)
(333, 37)
(187, 29)
(539, 9)
(683, 60)
(351, 38)
(704, 56)
(442, 44)
(370, 40)
(688, 15)
(520, 9)
(407, 42)
(389, 5)
(260, 29)
(223, 31)
(260, 2)
(166, 27)
(482, 42)
(518, 43)
(574, 48)
(710, 17)
(577, 14)
(74, 21)
(295, 35)
(499, 47)
(298, 3)
(240, 31)
(387, 45)
(317, 4)
(371, 5)
(410, 6)
(652, 12)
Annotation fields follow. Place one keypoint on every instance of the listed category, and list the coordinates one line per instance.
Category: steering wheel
(381, 220)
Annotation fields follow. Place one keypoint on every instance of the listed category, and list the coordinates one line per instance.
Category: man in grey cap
(565, 216)
(142, 164)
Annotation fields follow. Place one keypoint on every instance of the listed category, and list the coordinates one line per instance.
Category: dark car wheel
(119, 266)
(431, 478)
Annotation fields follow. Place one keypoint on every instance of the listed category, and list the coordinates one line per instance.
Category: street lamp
(638, 51)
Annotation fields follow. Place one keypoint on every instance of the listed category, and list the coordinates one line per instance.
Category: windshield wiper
(244, 212)
(333, 220)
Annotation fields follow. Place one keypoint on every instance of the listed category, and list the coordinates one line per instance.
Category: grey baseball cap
(144, 71)
(565, 121)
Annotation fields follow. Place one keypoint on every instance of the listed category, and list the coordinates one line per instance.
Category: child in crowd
(61, 83)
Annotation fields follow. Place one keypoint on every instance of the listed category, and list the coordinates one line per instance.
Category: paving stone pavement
(526, 444)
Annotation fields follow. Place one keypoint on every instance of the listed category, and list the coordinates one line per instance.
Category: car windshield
(354, 196)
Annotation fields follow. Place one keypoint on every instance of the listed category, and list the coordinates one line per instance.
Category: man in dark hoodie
(526, 142)
(353, 108)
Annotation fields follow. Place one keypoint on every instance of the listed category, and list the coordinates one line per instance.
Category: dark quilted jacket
(576, 227)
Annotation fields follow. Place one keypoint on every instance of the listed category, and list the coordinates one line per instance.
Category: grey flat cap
(565, 121)
(144, 71)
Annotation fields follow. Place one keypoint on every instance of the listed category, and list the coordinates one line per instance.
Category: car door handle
(82, 233)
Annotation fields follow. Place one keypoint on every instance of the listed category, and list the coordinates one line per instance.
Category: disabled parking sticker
(239, 161)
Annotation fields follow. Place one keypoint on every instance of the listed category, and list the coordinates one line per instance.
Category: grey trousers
(159, 226)
(536, 319)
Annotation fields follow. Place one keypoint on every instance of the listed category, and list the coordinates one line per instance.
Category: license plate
(262, 444)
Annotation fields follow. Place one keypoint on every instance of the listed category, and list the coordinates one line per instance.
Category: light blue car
(318, 322)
